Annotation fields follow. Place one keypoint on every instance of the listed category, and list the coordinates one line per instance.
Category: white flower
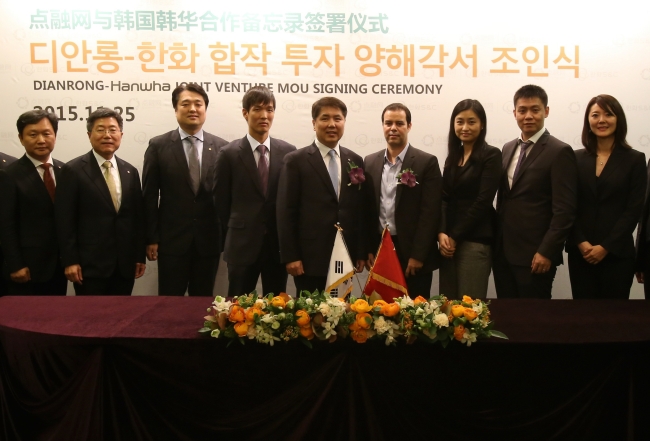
(281, 316)
(222, 305)
(275, 325)
(441, 320)
(260, 303)
(252, 332)
(419, 311)
(215, 333)
(478, 308)
(325, 309)
(404, 301)
(381, 325)
(290, 304)
(309, 301)
(218, 299)
(268, 318)
(468, 338)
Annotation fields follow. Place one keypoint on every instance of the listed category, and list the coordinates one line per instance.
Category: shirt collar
(37, 163)
(400, 156)
(255, 143)
(324, 150)
(535, 137)
(184, 134)
(101, 160)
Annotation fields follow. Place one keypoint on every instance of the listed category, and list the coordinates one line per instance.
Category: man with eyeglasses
(183, 233)
(100, 214)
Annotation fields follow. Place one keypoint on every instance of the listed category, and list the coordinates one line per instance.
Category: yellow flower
(457, 310)
(459, 331)
(470, 314)
(364, 320)
(307, 332)
(302, 318)
(467, 299)
(390, 309)
(278, 302)
(418, 300)
(360, 305)
(241, 328)
(250, 314)
(360, 335)
(237, 314)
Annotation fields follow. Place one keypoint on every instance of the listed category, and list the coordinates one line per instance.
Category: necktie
(333, 170)
(111, 183)
(48, 180)
(522, 155)
(263, 167)
(194, 165)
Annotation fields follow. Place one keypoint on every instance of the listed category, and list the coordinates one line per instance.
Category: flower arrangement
(407, 177)
(317, 315)
(356, 174)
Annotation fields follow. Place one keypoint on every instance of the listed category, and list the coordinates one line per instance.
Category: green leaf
(205, 330)
(306, 343)
(498, 334)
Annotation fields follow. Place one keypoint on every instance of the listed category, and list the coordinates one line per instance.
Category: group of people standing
(274, 210)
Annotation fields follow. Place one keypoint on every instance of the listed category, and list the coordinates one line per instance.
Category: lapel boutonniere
(356, 174)
(407, 177)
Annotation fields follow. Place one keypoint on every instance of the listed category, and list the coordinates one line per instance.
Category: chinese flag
(386, 277)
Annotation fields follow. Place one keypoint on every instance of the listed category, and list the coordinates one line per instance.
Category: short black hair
(191, 87)
(34, 117)
(257, 95)
(397, 106)
(328, 101)
(104, 112)
(531, 91)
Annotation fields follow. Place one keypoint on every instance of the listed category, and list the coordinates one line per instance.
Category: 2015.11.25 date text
(72, 115)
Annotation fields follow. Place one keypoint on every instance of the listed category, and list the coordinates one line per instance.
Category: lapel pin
(128, 171)
(209, 148)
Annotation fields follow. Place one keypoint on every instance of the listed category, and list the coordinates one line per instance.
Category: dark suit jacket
(27, 226)
(91, 233)
(307, 210)
(5, 160)
(180, 217)
(537, 213)
(246, 212)
(417, 209)
(609, 206)
(642, 232)
(468, 192)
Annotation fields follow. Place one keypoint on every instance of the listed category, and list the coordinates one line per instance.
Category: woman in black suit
(470, 181)
(611, 190)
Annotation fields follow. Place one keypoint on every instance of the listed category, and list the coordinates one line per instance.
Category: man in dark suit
(536, 202)
(314, 194)
(5, 160)
(100, 214)
(27, 226)
(246, 186)
(178, 182)
(411, 213)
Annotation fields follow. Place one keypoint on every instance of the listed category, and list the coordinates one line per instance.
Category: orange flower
(302, 318)
(360, 336)
(470, 314)
(354, 326)
(237, 314)
(286, 297)
(379, 304)
(418, 300)
(390, 309)
(363, 320)
(241, 328)
(250, 314)
(458, 310)
(467, 299)
(278, 302)
(307, 332)
(360, 305)
(459, 331)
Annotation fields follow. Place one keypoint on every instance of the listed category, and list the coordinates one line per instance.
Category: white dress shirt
(255, 143)
(187, 144)
(324, 151)
(41, 170)
(114, 172)
(515, 156)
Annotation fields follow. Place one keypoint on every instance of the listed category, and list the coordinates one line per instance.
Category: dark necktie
(49, 181)
(194, 165)
(263, 167)
(522, 155)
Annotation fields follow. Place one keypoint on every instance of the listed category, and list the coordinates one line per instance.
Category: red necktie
(49, 181)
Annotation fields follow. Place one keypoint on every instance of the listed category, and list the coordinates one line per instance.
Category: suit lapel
(316, 161)
(376, 168)
(587, 171)
(537, 150)
(91, 168)
(409, 160)
(178, 151)
(612, 165)
(346, 158)
(126, 180)
(208, 157)
(248, 158)
(34, 179)
(275, 166)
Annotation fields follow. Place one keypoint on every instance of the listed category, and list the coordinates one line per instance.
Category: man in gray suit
(536, 202)
(246, 186)
(177, 184)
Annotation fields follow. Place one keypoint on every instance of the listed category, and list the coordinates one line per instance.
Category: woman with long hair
(470, 180)
(611, 191)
